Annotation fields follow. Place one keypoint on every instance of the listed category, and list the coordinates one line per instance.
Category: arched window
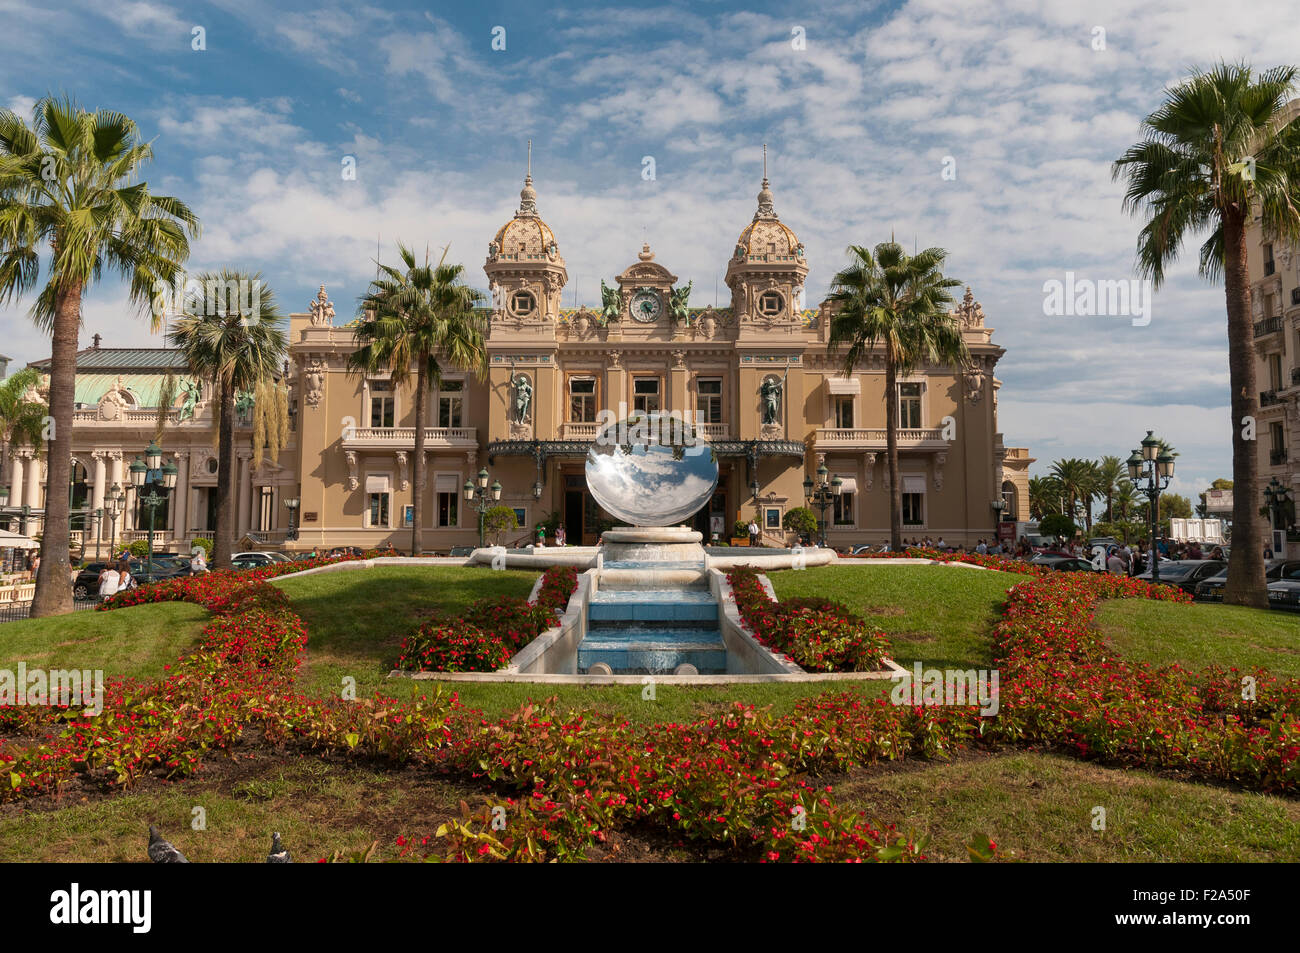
(1009, 512)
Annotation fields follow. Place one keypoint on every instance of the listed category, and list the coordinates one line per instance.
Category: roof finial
(765, 162)
(530, 160)
(528, 195)
(766, 209)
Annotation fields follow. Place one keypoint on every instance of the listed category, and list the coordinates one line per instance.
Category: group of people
(115, 577)
(561, 537)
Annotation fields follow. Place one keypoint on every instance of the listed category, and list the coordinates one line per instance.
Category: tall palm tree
(1110, 471)
(1218, 147)
(1076, 479)
(1126, 498)
(419, 318)
(22, 421)
(897, 301)
(71, 181)
(239, 344)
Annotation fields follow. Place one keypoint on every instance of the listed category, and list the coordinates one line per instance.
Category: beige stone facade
(553, 370)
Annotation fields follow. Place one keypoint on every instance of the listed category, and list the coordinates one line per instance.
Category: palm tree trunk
(223, 542)
(53, 580)
(891, 457)
(417, 465)
(1245, 585)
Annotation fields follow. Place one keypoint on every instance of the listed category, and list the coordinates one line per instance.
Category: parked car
(1285, 593)
(86, 585)
(1185, 573)
(1067, 564)
(252, 560)
(1211, 589)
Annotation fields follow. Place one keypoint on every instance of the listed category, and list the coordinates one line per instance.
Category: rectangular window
(1269, 265)
(1275, 371)
(909, 406)
(709, 402)
(378, 506)
(448, 509)
(843, 509)
(645, 394)
(1276, 437)
(450, 405)
(293, 416)
(844, 412)
(913, 509)
(582, 400)
(381, 403)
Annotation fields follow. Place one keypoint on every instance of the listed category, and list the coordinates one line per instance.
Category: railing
(872, 435)
(1268, 326)
(714, 431)
(1277, 457)
(577, 431)
(1267, 398)
(405, 436)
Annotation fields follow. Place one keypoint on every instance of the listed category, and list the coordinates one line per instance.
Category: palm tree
(238, 342)
(1076, 479)
(899, 301)
(1218, 147)
(71, 181)
(1126, 498)
(1045, 495)
(1110, 471)
(413, 317)
(22, 421)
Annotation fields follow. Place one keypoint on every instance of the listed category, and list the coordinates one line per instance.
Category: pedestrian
(109, 578)
(981, 547)
(560, 536)
(1114, 564)
(198, 564)
(541, 535)
(753, 533)
(125, 580)
(36, 563)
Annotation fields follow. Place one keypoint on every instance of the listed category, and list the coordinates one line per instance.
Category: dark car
(1185, 573)
(1211, 589)
(86, 585)
(1285, 593)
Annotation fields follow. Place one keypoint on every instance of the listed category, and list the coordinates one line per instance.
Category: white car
(250, 560)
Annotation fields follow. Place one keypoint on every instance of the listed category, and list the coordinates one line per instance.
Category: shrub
(498, 520)
(139, 548)
(1058, 524)
(204, 544)
(441, 647)
(800, 520)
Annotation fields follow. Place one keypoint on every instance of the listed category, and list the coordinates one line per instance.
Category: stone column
(245, 495)
(101, 475)
(35, 479)
(181, 497)
(17, 459)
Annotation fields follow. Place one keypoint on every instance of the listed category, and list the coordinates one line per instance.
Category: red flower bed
(460, 647)
(819, 635)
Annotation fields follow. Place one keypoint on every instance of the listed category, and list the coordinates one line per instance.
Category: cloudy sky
(863, 106)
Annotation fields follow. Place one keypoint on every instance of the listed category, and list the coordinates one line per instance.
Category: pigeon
(161, 852)
(278, 854)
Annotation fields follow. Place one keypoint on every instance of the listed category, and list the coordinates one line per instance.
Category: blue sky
(252, 130)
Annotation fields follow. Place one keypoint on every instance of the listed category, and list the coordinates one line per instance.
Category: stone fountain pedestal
(654, 544)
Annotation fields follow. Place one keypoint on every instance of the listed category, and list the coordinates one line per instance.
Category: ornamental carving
(970, 313)
(113, 405)
(315, 378)
(939, 460)
(870, 470)
(974, 375)
(401, 470)
(351, 458)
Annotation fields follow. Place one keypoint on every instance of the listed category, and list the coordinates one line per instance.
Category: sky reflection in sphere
(656, 483)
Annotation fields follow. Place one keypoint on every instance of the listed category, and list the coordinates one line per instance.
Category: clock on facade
(646, 306)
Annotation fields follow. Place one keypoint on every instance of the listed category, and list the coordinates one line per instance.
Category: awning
(914, 484)
(10, 540)
(377, 483)
(848, 485)
(447, 483)
(844, 385)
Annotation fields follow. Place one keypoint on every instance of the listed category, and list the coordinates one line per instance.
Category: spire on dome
(766, 210)
(528, 194)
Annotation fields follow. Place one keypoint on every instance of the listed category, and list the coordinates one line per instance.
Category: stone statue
(493, 249)
(678, 301)
(322, 310)
(770, 391)
(244, 404)
(611, 305)
(523, 398)
(193, 392)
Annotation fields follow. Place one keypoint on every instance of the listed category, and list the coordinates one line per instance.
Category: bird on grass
(278, 854)
(161, 852)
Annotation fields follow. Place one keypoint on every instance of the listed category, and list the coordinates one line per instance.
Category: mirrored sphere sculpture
(651, 470)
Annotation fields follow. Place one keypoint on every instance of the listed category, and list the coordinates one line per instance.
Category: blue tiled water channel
(653, 631)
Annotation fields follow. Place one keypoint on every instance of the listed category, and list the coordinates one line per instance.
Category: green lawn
(136, 642)
(1202, 634)
(356, 619)
(1040, 807)
(938, 615)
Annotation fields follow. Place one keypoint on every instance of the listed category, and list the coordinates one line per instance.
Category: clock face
(646, 307)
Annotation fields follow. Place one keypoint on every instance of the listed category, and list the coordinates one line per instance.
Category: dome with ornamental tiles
(767, 234)
(525, 235)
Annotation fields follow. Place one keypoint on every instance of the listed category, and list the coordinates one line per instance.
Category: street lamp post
(115, 503)
(151, 473)
(821, 494)
(1278, 502)
(292, 505)
(481, 498)
(998, 506)
(1156, 466)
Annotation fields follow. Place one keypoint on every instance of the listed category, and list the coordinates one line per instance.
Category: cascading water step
(649, 649)
(679, 606)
